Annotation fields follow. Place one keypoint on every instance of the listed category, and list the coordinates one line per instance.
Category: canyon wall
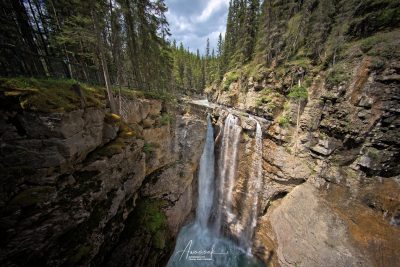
(84, 187)
(331, 184)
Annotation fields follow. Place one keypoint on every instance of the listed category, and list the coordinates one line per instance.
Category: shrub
(284, 120)
(298, 92)
(166, 119)
(337, 75)
(262, 100)
(148, 148)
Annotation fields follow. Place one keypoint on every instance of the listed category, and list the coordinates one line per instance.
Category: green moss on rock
(32, 196)
(50, 95)
(81, 253)
(116, 146)
(149, 217)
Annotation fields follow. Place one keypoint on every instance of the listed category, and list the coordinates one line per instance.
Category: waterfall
(227, 166)
(206, 178)
(197, 245)
(246, 238)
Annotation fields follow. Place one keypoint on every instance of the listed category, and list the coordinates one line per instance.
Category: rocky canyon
(287, 156)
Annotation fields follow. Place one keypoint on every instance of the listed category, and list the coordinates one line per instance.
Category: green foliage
(370, 42)
(373, 16)
(377, 63)
(284, 120)
(164, 96)
(262, 100)
(229, 78)
(148, 148)
(301, 61)
(166, 119)
(338, 74)
(373, 153)
(382, 45)
(298, 92)
(257, 71)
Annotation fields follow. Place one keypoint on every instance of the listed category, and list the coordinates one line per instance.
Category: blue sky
(193, 21)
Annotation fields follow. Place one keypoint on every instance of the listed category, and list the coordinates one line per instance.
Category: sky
(193, 21)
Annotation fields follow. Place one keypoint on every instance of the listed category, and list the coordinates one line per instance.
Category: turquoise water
(198, 247)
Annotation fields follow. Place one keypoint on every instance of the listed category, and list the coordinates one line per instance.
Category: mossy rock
(50, 95)
(111, 118)
(149, 217)
(81, 253)
(116, 146)
(32, 196)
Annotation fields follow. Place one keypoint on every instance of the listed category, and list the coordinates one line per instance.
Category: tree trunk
(103, 61)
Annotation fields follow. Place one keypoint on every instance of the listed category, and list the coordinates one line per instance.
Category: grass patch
(50, 95)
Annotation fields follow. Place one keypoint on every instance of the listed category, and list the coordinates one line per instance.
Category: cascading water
(197, 244)
(227, 166)
(206, 178)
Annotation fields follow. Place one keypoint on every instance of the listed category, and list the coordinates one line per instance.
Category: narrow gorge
(125, 149)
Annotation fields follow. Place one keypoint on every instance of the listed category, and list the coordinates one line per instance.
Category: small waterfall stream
(246, 239)
(197, 243)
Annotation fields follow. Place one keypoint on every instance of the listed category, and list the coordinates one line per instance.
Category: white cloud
(192, 22)
(212, 7)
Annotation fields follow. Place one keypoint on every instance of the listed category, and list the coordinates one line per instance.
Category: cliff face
(330, 160)
(331, 187)
(82, 186)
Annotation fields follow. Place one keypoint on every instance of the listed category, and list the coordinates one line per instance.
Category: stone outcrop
(78, 186)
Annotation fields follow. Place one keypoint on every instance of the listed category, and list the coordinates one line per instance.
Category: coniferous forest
(118, 43)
